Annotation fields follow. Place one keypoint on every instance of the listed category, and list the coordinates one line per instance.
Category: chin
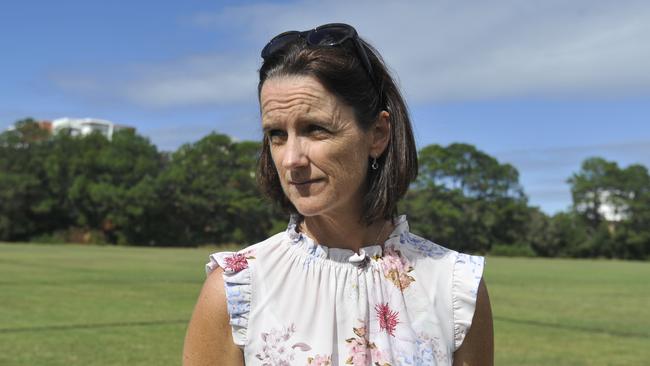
(308, 209)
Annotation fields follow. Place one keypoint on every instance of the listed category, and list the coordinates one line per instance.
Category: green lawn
(85, 305)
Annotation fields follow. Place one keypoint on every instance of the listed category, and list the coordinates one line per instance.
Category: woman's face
(320, 152)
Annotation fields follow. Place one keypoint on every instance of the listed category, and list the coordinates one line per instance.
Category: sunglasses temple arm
(363, 55)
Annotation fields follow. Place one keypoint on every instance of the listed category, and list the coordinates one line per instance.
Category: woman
(346, 283)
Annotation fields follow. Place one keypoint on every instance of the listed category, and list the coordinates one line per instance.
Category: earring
(374, 164)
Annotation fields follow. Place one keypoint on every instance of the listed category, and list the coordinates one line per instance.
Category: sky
(541, 85)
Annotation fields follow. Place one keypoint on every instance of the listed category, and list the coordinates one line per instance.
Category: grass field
(85, 305)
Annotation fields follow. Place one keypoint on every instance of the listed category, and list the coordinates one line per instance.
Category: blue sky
(540, 85)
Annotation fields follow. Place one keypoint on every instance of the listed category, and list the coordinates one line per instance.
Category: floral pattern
(404, 328)
(429, 351)
(396, 268)
(361, 351)
(237, 261)
(276, 351)
(388, 318)
(319, 360)
(423, 246)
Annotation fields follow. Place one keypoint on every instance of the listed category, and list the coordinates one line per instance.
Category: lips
(303, 182)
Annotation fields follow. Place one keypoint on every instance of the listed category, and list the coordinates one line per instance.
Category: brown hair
(342, 73)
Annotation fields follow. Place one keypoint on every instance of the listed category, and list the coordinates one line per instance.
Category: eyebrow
(302, 121)
(266, 126)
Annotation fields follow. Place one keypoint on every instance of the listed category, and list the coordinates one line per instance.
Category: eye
(276, 136)
(318, 130)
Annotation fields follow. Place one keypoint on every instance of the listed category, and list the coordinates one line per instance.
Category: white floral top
(294, 302)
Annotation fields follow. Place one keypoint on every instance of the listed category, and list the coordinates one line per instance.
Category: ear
(379, 134)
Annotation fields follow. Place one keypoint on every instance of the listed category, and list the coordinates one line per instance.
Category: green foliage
(124, 191)
(23, 202)
(474, 173)
(517, 250)
(466, 200)
(613, 204)
(209, 193)
(564, 235)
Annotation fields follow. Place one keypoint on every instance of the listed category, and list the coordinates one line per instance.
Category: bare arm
(209, 337)
(478, 347)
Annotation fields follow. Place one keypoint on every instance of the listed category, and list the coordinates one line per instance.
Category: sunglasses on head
(328, 35)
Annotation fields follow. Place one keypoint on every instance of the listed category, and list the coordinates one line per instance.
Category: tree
(632, 237)
(210, 194)
(466, 199)
(473, 172)
(595, 187)
(121, 194)
(613, 203)
(565, 235)
(23, 199)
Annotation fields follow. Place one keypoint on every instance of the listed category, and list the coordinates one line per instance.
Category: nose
(294, 154)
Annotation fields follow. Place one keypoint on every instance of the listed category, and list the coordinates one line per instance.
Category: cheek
(350, 163)
(276, 157)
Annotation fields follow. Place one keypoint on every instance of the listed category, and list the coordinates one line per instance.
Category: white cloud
(196, 80)
(440, 50)
(472, 50)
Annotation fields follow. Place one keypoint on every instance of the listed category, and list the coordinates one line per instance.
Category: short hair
(341, 72)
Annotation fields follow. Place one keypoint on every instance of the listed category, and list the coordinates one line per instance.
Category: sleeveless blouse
(292, 301)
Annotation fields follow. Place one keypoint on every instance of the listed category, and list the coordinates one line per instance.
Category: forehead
(295, 96)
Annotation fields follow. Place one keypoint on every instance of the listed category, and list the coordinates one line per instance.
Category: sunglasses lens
(279, 42)
(329, 36)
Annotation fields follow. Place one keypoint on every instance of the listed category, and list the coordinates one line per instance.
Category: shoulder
(236, 261)
(421, 247)
(209, 339)
(414, 247)
(230, 282)
(462, 272)
(423, 250)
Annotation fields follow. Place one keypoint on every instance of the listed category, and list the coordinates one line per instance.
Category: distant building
(84, 126)
(612, 209)
(608, 205)
(45, 125)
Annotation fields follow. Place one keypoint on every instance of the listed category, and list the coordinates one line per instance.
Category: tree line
(124, 191)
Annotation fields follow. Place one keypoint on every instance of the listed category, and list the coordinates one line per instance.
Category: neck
(345, 232)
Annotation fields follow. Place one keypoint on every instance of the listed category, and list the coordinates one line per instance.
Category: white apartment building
(86, 126)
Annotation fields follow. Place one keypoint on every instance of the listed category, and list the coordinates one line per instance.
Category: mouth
(303, 182)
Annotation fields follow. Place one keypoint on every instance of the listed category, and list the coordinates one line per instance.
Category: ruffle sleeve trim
(467, 274)
(237, 282)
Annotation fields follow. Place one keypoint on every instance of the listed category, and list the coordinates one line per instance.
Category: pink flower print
(377, 356)
(358, 347)
(362, 352)
(388, 318)
(396, 268)
(319, 360)
(237, 262)
(357, 351)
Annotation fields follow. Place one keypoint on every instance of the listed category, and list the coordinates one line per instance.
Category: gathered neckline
(322, 251)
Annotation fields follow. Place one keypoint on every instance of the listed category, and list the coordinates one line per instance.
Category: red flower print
(388, 319)
(236, 262)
